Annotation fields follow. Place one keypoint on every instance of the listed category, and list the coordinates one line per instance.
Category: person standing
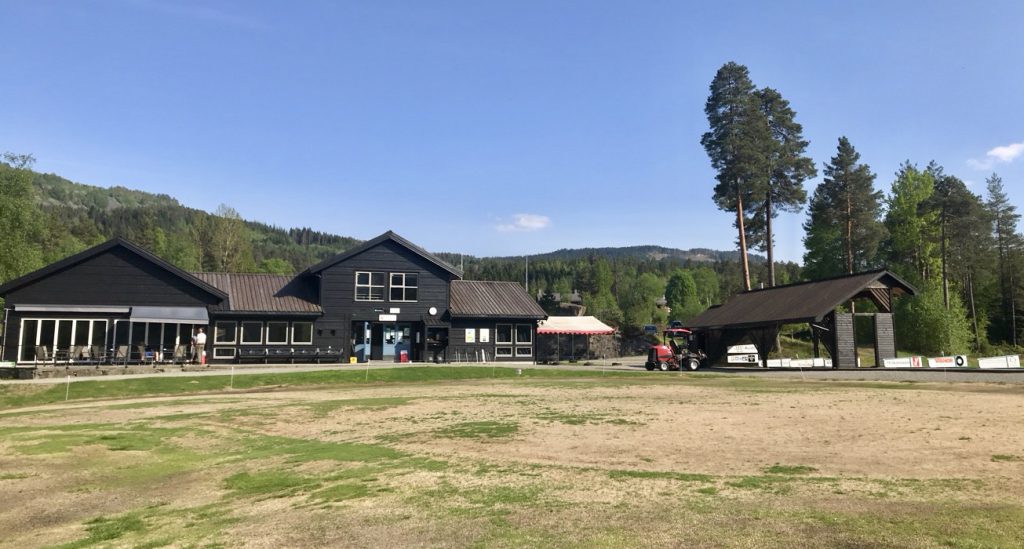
(198, 345)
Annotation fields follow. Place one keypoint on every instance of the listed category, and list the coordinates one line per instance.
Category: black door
(377, 342)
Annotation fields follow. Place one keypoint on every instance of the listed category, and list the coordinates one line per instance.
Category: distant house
(387, 299)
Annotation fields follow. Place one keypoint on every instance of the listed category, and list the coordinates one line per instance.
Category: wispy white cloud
(1003, 154)
(198, 12)
(525, 222)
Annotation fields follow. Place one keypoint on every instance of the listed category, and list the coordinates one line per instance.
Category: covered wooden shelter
(572, 326)
(758, 315)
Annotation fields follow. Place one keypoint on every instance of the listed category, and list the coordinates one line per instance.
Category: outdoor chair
(180, 355)
(96, 355)
(143, 359)
(42, 355)
(121, 355)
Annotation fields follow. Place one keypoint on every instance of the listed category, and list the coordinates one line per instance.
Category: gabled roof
(263, 293)
(478, 298)
(800, 302)
(394, 237)
(103, 248)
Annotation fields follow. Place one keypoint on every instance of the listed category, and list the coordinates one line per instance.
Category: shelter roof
(801, 302)
(263, 293)
(390, 235)
(99, 249)
(580, 325)
(479, 298)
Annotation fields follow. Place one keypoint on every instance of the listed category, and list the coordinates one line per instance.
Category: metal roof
(478, 298)
(800, 302)
(263, 293)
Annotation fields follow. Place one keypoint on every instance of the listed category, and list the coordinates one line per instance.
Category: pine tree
(1004, 226)
(845, 210)
(735, 145)
(786, 170)
(958, 213)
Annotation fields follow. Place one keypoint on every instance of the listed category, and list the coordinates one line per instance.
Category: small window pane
(362, 278)
(252, 333)
(504, 334)
(524, 333)
(503, 351)
(377, 279)
(524, 351)
(302, 332)
(277, 332)
(225, 332)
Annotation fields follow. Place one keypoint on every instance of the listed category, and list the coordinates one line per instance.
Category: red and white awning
(580, 325)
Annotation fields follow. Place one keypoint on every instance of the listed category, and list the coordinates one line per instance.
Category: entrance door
(377, 342)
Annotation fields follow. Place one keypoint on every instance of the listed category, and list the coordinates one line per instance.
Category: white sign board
(470, 335)
(743, 359)
(743, 350)
(780, 363)
(387, 318)
(958, 361)
(485, 335)
(905, 362)
(996, 362)
(811, 363)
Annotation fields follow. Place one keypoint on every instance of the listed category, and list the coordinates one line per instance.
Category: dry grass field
(653, 461)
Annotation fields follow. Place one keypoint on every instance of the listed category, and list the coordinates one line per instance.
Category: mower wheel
(663, 366)
(692, 364)
(649, 366)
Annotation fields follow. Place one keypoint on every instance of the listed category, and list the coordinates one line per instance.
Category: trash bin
(352, 360)
(403, 356)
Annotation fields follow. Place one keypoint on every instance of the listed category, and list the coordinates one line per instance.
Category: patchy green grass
(326, 407)
(479, 430)
(275, 484)
(670, 475)
(1005, 457)
(778, 469)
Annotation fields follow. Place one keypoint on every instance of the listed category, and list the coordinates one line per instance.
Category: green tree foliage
(682, 296)
(787, 169)
(909, 249)
(843, 226)
(1007, 243)
(924, 324)
(961, 221)
(22, 230)
(735, 144)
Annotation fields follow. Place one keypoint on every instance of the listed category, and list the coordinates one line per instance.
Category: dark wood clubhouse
(387, 299)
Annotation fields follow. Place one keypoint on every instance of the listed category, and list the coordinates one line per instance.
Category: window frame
(292, 333)
(234, 332)
(524, 352)
(504, 351)
(370, 286)
(529, 328)
(219, 352)
(287, 332)
(511, 334)
(241, 334)
(403, 286)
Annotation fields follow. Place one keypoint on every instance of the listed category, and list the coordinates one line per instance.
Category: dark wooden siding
(459, 349)
(885, 338)
(846, 346)
(117, 277)
(337, 291)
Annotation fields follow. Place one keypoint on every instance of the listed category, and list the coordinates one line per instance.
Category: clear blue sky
(494, 128)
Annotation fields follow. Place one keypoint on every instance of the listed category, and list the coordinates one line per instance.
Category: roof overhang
(170, 315)
(101, 309)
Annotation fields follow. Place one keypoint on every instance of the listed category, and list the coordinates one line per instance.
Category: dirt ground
(555, 463)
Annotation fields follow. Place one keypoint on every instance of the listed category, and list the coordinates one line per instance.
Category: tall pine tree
(843, 226)
(735, 145)
(1004, 227)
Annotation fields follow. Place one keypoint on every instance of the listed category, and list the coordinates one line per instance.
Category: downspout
(3, 342)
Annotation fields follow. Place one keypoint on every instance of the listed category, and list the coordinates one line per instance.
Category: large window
(524, 334)
(302, 333)
(224, 332)
(369, 286)
(252, 333)
(277, 333)
(403, 287)
(503, 335)
(59, 335)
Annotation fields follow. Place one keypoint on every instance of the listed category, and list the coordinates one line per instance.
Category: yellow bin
(351, 360)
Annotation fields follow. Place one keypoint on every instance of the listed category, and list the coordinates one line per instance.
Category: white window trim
(287, 331)
(524, 351)
(404, 287)
(310, 342)
(241, 332)
(511, 334)
(52, 345)
(223, 352)
(234, 332)
(516, 335)
(371, 286)
(503, 351)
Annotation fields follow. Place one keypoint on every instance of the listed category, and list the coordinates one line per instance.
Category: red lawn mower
(675, 352)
